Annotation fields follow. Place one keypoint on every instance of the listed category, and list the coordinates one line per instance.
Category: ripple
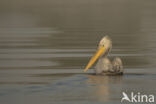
(29, 31)
(25, 63)
(23, 50)
(55, 55)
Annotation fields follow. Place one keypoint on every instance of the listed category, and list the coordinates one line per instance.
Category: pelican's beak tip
(84, 70)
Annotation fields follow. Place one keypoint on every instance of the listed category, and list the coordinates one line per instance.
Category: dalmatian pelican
(104, 66)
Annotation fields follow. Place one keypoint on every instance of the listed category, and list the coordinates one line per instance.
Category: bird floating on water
(104, 66)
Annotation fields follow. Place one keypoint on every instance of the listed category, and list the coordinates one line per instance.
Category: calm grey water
(45, 45)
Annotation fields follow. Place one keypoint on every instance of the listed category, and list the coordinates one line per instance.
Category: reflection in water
(104, 89)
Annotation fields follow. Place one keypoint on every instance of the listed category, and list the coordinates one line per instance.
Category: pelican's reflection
(105, 87)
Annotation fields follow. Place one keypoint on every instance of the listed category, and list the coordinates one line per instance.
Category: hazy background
(43, 41)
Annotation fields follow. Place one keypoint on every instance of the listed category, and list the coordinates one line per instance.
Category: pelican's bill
(95, 57)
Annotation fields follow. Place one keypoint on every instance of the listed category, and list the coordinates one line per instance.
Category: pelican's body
(104, 66)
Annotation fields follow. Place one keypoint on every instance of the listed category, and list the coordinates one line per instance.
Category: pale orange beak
(95, 57)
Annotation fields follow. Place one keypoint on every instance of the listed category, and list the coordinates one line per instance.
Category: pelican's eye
(103, 45)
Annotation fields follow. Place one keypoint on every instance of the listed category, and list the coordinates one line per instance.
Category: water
(45, 45)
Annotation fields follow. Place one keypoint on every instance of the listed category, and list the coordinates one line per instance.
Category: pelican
(104, 66)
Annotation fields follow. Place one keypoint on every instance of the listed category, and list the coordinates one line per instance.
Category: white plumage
(104, 66)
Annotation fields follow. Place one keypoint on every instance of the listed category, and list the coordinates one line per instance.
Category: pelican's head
(106, 43)
(104, 47)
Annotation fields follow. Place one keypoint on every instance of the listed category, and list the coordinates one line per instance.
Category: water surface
(45, 45)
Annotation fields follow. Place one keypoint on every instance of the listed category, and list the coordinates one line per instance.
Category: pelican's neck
(105, 54)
